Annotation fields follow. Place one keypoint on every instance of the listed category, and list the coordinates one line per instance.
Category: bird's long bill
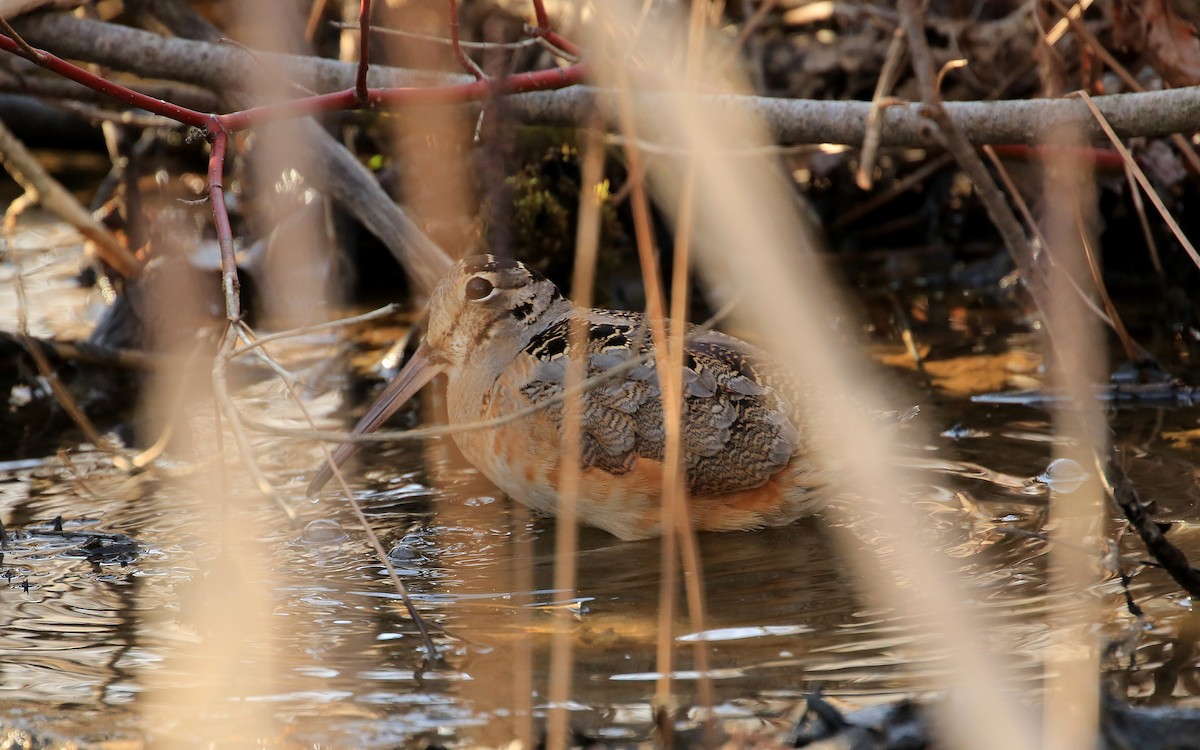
(418, 371)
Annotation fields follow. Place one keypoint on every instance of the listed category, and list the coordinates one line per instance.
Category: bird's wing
(738, 429)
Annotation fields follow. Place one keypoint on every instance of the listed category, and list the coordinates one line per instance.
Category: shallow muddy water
(92, 643)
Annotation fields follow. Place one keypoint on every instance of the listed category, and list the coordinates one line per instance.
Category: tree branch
(212, 66)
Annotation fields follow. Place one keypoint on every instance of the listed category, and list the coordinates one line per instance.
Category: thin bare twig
(42, 187)
(1142, 180)
(1179, 141)
(216, 194)
(748, 28)
(104, 356)
(17, 45)
(463, 58)
(124, 117)
(1171, 558)
(539, 12)
(1133, 351)
(964, 152)
(871, 203)
(382, 312)
(61, 394)
(372, 538)
(880, 100)
(522, 44)
(226, 407)
(1032, 225)
(424, 433)
(544, 31)
(364, 44)
(28, 52)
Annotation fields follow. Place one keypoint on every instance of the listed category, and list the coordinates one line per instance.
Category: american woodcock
(500, 332)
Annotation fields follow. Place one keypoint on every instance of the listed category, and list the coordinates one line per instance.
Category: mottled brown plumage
(501, 333)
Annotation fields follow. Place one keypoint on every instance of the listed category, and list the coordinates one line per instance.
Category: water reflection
(784, 614)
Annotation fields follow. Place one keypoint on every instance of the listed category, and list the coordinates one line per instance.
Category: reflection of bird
(500, 332)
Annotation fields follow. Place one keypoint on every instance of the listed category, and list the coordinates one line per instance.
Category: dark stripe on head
(484, 332)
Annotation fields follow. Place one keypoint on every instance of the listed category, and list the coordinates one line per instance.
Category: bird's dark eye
(478, 288)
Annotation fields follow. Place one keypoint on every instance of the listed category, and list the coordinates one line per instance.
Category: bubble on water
(323, 531)
(408, 549)
(402, 553)
(1063, 475)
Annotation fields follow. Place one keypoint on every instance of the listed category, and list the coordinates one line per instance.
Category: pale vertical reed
(675, 514)
(1075, 350)
(229, 604)
(743, 211)
(566, 526)
(431, 149)
(196, 698)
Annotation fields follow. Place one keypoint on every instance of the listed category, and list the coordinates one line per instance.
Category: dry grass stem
(220, 383)
(1141, 178)
(587, 240)
(44, 189)
(1071, 660)
(670, 379)
(1139, 205)
(307, 330)
(1133, 351)
(879, 101)
(1073, 18)
(897, 188)
(383, 436)
(674, 483)
(61, 394)
(1031, 224)
(744, 204)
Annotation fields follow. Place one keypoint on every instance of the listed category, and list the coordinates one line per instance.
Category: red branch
(96, 83)
(545, 32)
(456, 43)
(216, 196)
(539, 11)
(218, 128)
(542, 80)
(364, 44)
(1102, 158)
(357, 97)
